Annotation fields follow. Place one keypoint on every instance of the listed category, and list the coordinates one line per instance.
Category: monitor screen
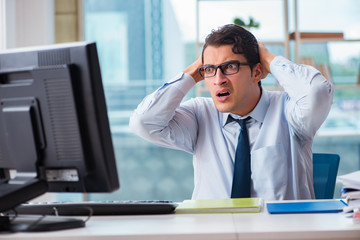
(54, 128)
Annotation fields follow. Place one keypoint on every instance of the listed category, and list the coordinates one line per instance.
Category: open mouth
(223, 95)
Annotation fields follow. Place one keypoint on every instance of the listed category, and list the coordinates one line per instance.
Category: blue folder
(327, 206)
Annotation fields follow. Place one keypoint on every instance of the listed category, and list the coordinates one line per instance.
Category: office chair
(325, 168)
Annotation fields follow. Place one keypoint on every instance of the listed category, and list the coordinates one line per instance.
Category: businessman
(246, 141)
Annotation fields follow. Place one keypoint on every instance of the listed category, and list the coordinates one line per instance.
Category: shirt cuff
(183, 81)
(296, 79)
(278, 62)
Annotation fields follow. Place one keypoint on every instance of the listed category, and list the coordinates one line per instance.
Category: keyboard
(97, 208)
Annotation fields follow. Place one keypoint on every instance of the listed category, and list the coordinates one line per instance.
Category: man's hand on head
(192, 69)
(265, 59)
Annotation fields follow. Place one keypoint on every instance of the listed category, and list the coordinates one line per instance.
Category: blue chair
(325, 168)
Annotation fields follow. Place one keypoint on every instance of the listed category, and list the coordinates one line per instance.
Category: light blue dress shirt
(281, 132)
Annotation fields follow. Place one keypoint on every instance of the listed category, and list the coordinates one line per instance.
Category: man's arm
(160, 119)
(310, 94)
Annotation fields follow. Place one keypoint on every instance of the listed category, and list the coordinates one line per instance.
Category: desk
(208, 226)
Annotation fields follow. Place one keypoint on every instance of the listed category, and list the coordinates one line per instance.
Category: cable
(13, 217)
(91, 212)
(35, 222)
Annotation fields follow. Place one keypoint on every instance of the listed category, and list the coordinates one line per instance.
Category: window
(143, 43)
(341, 130)
(132, 38)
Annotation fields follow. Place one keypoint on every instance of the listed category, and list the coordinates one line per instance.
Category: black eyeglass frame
(202, 69)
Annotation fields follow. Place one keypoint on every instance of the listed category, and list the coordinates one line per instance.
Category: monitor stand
(38, 223)
(20, 190)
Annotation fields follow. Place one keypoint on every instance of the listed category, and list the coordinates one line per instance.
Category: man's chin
(222, 107)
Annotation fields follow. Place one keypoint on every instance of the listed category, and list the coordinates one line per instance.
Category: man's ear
(257, 72)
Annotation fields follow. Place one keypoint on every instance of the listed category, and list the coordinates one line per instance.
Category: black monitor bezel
(97, 171)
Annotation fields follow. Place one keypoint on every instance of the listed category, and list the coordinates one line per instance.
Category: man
(280, 131)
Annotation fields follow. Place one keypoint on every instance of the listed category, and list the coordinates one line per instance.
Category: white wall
(26, 23)
(2, 24)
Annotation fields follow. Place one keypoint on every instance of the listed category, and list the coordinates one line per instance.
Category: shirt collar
(258, 113)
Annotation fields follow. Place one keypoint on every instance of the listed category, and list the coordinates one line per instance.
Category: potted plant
(251, 24)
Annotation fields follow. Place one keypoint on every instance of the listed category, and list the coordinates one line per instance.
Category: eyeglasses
(227, 68)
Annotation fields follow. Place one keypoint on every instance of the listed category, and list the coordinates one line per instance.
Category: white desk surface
(208, 226)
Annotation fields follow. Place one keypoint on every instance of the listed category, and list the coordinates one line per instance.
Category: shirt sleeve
(160, 120)
(309, 95)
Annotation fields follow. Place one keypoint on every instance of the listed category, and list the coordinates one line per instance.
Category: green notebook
(230, 205)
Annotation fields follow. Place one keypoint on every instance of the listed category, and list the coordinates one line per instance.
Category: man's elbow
(136, 124)
(322, 94)
(321, 99)
(141, 125)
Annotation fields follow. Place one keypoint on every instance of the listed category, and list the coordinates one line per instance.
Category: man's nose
(220, 78)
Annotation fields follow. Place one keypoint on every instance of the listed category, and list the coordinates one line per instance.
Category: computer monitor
(54, 128)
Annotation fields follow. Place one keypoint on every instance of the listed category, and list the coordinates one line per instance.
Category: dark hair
(242, 41)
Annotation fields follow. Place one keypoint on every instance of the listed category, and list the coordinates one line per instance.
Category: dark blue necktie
(242, 169)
